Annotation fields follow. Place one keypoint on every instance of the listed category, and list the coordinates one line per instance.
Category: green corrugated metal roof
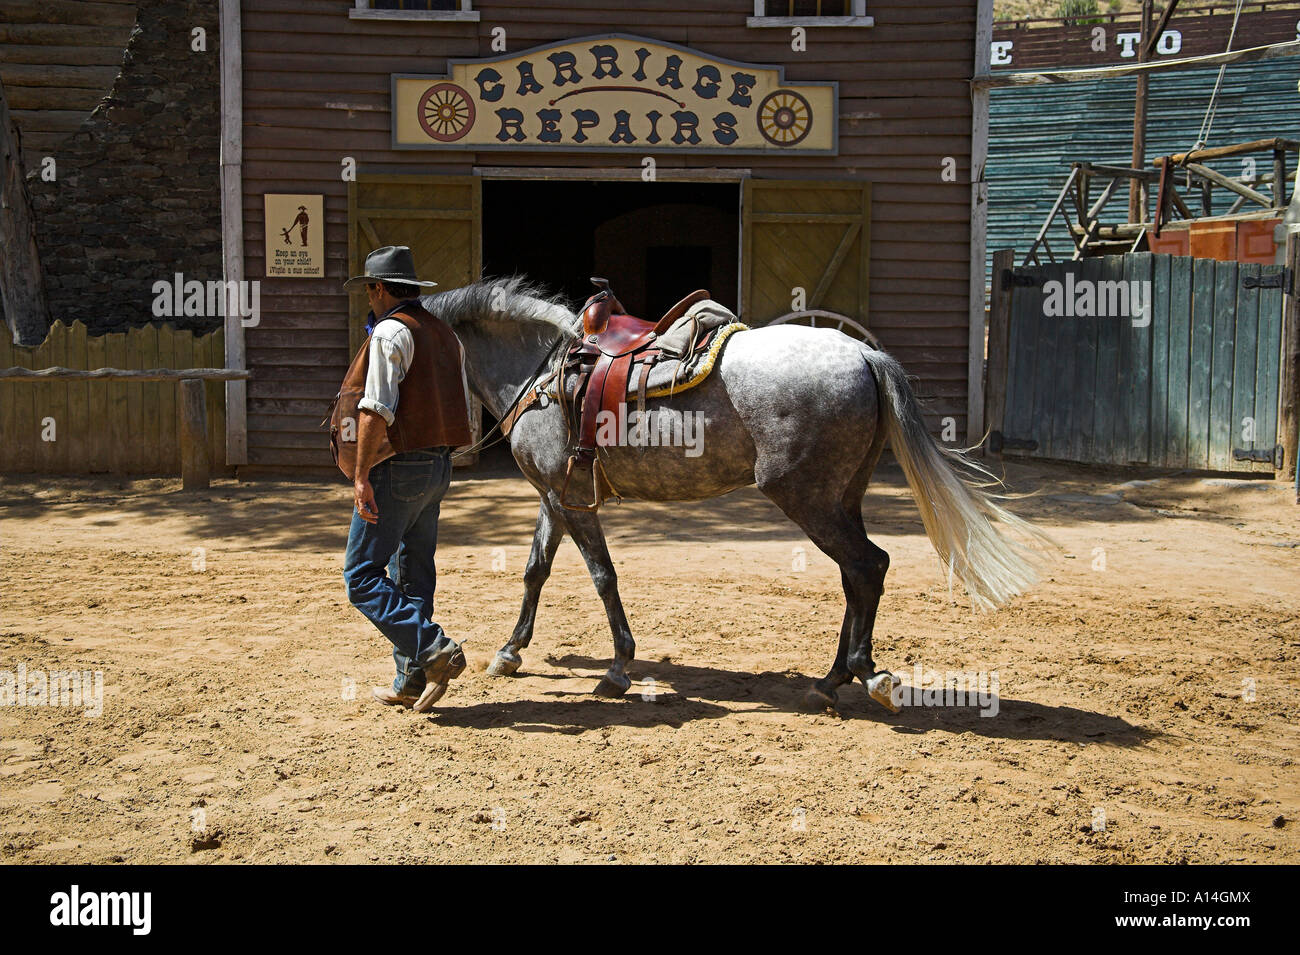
(1035, 131)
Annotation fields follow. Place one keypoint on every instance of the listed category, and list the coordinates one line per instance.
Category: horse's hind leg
(546, 540)
(836, 528)
(587, 534)
(822, 693)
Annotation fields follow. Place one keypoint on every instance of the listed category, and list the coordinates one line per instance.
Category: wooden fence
(124, 427)
(1192, 384)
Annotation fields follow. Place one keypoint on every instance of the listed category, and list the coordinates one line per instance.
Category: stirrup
(595, 487)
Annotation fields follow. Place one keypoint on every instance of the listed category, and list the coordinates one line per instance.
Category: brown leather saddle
(613, 347)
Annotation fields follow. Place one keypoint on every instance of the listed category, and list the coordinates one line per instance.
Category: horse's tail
(958, 513)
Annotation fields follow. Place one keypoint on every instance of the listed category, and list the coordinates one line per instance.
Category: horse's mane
(514, 299)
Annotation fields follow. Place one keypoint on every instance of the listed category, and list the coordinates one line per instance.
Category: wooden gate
(1191, 381)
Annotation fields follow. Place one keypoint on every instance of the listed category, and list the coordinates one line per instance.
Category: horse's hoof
(613, 685)
(504, 664)
(815, 701)
(882, 688)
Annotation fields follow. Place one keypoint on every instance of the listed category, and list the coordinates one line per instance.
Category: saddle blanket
(708, 321)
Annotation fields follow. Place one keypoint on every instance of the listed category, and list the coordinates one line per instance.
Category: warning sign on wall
(295, 236)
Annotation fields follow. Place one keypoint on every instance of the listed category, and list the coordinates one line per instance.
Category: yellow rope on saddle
(704, 367)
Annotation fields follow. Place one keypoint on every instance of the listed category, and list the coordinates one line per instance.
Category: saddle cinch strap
(612, 344)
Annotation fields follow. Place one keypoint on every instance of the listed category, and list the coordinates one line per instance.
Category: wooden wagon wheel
(821, 318)
(784, 118)
(446, 112)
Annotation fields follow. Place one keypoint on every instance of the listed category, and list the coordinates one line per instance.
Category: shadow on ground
(704, 692)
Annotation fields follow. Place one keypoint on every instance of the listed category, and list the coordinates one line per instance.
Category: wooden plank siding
(105, 425)
(58, 58)
(316, 90)
(1063, 43)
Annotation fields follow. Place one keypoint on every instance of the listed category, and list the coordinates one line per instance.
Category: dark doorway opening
(655, 241)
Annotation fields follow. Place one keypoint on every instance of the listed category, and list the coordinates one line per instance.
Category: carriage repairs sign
(614, 93)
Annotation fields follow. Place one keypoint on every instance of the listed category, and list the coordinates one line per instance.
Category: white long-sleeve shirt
(391, 351)
(392, 348)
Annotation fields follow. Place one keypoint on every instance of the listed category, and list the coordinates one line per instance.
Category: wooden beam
(1236, 149)
(663, 173)
(1279, 178)
(61, 97)
(1154, 39)
(1288, 398)
(146, 374)
(232, 223)
(109, 14)
(833, 266)
(433, 214)
(1271, 51)
(1124, 172)
(995, 378)
(45, 75)
(1232, 185)
(1132, 230)
(22, 280)
(1179, 203)
(979, 216)
(1136, 206)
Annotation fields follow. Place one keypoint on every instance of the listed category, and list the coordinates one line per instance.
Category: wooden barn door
(439, 217)
(813, 235)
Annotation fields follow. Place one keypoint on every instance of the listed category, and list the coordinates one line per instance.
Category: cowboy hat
(392, 263)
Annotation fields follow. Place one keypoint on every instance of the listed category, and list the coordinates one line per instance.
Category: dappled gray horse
(802, 413)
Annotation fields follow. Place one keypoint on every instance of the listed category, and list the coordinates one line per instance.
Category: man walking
(406, 389)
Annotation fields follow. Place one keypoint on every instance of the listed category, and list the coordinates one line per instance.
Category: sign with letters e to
(295, 236)
(614, 93)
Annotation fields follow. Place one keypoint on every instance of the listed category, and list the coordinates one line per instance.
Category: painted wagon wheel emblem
(446, 112)
(784, 118)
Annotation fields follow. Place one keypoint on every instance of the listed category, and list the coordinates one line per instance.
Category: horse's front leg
(590, 538)
(546, 540)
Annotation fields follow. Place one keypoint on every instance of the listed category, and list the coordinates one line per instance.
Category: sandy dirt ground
(1147, 705)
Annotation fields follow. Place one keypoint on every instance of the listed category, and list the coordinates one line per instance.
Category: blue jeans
(389, 566)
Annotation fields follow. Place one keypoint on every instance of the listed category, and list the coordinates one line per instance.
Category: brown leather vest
(431, 409)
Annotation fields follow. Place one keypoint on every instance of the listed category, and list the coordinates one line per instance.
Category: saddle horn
(595, 314)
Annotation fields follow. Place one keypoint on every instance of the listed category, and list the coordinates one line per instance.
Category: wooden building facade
(754, 148)
(1111, 39)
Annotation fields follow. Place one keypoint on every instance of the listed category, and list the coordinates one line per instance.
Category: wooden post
(232, 223)
(22, 281)
(1279, 178)
(1136, 207)
(1288, 398)
(979, 216)
(194, 435)
(995, 386)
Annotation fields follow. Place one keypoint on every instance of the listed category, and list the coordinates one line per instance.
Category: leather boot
(445, 665)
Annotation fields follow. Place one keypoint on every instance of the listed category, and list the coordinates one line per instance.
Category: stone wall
(137, 196)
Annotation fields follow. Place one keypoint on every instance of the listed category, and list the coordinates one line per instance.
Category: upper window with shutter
(414, 10)
(810, 13)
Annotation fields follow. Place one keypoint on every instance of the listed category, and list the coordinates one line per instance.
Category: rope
(1208, 121)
